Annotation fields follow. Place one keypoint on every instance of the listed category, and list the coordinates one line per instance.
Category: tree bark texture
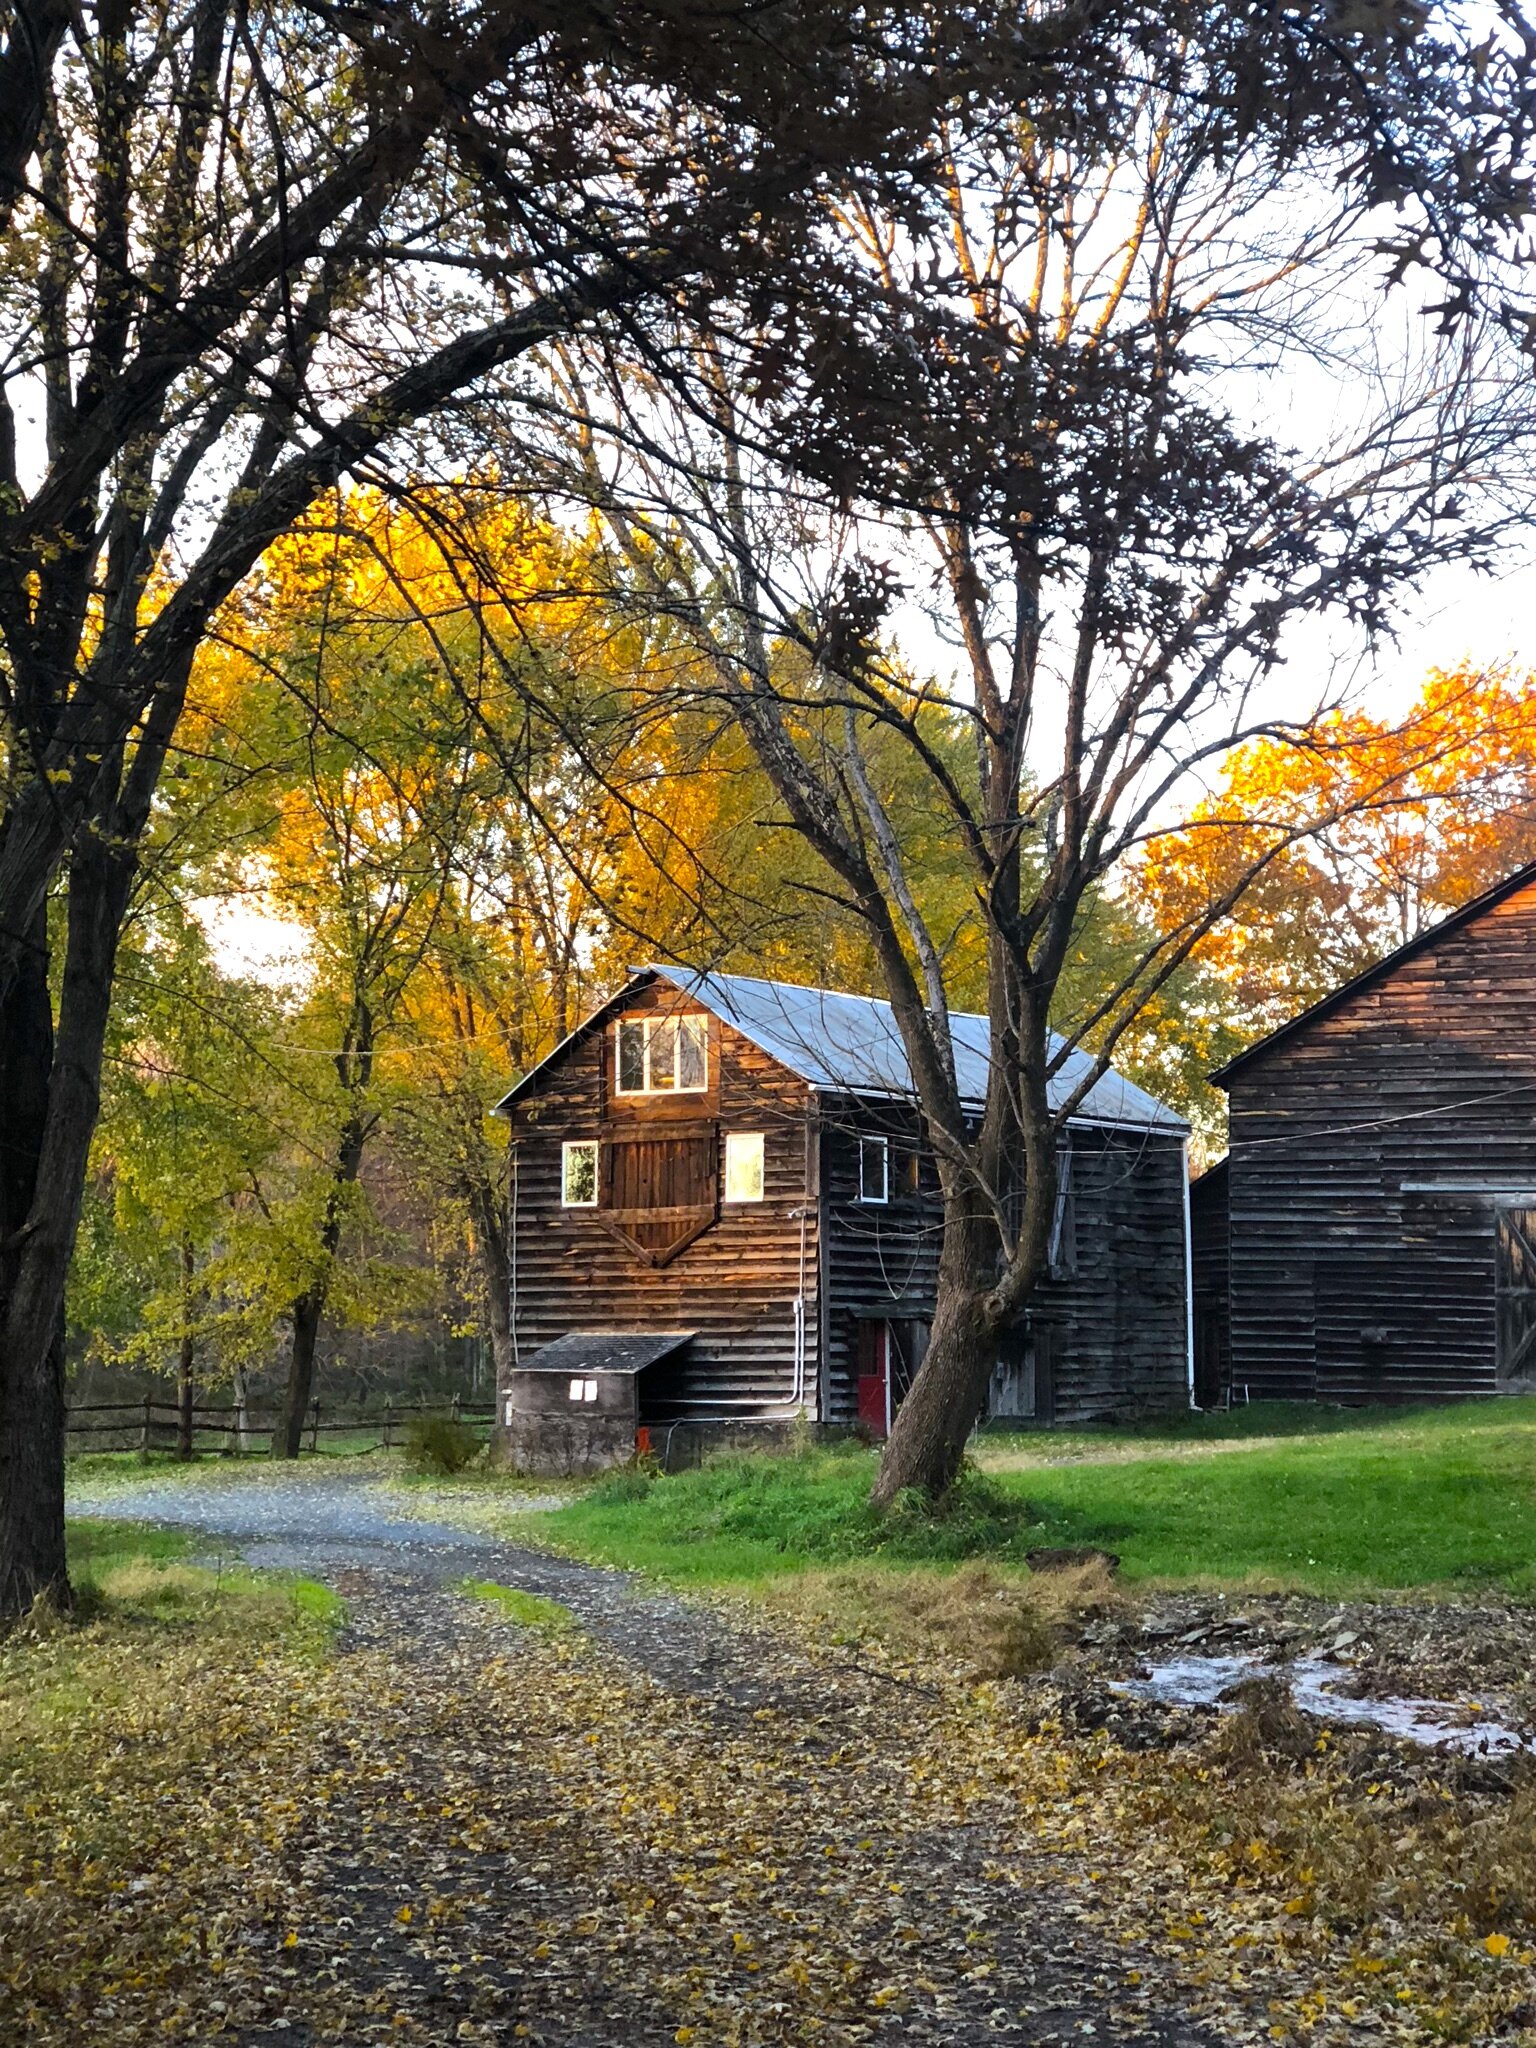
(928, 1436)
(493, 1257)
(51, 1089)
(185, 1359)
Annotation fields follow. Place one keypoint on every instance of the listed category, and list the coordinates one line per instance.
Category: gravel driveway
(676, 1827)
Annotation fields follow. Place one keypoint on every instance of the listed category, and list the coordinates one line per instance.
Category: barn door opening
(1515, 1294)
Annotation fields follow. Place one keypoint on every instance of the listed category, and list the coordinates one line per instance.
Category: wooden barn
(724, 1216)
(1371, 1234)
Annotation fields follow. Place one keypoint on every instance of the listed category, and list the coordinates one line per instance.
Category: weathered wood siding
(1118, 1298)
(880, 1260)
(735, 1283)
(1209, 1238)
(1367, 1150)
(1113, 1314)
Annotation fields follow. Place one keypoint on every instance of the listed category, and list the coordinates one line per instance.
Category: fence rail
(164, 1425)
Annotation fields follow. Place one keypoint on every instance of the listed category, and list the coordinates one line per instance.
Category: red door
(874, 1377)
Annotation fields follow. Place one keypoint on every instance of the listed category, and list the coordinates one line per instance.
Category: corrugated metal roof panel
(851, 1045)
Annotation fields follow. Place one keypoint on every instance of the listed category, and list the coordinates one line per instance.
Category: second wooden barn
(1371, 1234)
(725, 1217)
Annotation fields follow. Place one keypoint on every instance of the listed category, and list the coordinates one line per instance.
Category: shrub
(439, 1445)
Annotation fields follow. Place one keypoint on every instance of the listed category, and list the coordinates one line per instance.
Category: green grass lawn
(1318, 1500)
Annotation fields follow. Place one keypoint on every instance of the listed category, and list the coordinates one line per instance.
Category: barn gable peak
(1371, 977)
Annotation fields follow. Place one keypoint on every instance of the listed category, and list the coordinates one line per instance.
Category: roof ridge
(1453, 921)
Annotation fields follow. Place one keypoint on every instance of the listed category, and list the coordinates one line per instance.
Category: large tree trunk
(50, 1087)
(491, 1254)
(979, 1294)
(928, 1436)
(489, 1226)
(31, 1383)
(185, 1358)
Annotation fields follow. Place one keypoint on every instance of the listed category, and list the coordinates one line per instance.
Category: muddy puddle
(1318, 1687)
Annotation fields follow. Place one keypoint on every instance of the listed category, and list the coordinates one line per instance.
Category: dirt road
(662, 1825)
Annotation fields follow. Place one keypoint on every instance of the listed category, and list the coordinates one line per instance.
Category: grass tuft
(976, 1617)
(529, 1610)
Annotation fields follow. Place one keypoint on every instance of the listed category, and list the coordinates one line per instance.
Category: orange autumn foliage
(1352, 836)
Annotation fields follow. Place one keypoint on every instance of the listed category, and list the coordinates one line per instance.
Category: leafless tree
(1140, 404)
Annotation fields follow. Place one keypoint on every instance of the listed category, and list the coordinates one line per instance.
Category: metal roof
(583, 1351)
(1347, 991)
(851, 1045)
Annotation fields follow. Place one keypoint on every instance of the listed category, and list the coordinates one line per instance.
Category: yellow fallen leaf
(1497, 1944)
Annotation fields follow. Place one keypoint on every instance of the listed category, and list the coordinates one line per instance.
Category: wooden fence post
(456, 1408)
(389, 1422)
(147, 1406)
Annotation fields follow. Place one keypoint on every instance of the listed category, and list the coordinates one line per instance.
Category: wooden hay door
(661, 1191)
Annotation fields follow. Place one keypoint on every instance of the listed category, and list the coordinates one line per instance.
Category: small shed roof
(851, 1045)
(594, 1351)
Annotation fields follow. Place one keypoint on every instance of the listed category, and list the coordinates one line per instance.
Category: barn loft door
(660, 1192)
(1515, 1294)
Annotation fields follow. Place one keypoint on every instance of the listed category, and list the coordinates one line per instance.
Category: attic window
(874, 1169)
(658, 1055)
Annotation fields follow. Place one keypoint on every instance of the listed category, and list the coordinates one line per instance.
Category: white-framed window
(874, 1169)
(578, 1173)
(657, 1055)
(583, 1390)
(743, 1166)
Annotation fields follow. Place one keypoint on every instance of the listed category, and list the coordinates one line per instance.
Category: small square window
(583, 1390)
(578, 1174)
(576, 1387)
(874, 1169)
(743, 1166)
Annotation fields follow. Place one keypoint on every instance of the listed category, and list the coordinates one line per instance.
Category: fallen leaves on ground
(461, 1829)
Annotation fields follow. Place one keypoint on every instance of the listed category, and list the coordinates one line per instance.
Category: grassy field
(1316, 1500)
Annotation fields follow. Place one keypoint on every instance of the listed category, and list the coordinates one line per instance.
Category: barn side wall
(1210, 1232)
(1120, 1297)
(735, 1284)
(1114, 1312)
(1366, 1156)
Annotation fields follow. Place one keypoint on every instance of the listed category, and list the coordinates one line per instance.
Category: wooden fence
(154, 1425)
